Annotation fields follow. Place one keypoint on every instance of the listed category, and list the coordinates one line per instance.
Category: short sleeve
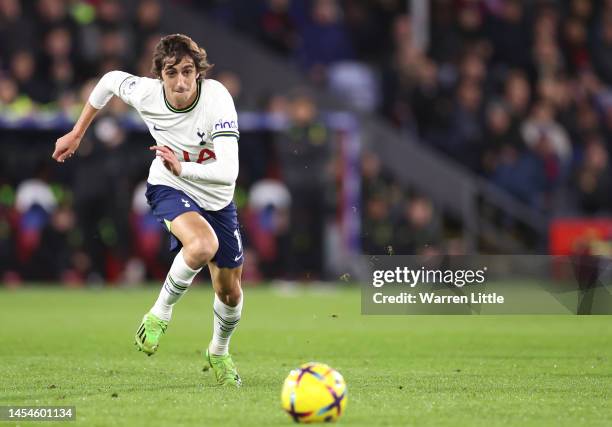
(223, 118)
(131, 89)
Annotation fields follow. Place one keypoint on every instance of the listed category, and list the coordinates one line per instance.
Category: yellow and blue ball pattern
(314, 393)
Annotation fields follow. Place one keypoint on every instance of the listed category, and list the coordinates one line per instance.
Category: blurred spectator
(304, 150)
(267, 221)
(522, 174)
(51, 14)
(35, 192)
(143, 67)
(587, 120)
(232, 83)
(102, 195)
(547, 58)
(445, 42)
(540, 125)
(13, 105)
(373, 177)
(500, 132)
(356, 84)
(602, 55)
(510, 33)
(24, 70)
(147, 24)
(465, 137)
(58, 44)
(35, 202)
(53, 260)
(377, 197)
(16, 30)
(433, 101)
(110, 15)
(575, 44)
(114, 51)
(277, 27)
(377, 227)
(582, 9)
(106, 42)
(403, 71)
(8, 235)
(147, 240)
(473, 68)
(323, 39)
(62, 78)
(470, 21)
(367, 24)
(593, 181)
(517, 94)
(417, 231)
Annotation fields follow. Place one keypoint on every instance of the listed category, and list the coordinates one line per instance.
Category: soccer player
(190, 185)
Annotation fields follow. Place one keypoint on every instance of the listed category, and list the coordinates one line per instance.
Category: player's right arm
(68, 144)
(112, 83)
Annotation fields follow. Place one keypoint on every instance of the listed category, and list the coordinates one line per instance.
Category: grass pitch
(74, 347)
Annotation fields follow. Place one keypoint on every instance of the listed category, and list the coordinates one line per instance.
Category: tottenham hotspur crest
(201, 134)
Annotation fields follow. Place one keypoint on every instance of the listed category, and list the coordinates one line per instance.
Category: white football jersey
(192, 133)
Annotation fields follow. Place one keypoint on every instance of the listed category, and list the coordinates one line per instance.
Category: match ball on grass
(314, 393)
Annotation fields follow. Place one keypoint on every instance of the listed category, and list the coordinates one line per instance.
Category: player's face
(180, 81)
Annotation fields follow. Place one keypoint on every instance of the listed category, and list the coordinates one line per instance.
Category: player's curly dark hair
(175, 47)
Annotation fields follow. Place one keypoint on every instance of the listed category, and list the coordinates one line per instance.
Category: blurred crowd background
(517, 92)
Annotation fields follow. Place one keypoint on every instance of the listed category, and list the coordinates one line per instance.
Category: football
(314, 393)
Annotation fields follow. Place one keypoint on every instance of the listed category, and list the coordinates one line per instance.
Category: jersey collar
(186, 109)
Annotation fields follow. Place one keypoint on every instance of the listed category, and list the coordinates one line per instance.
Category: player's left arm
(223, 171)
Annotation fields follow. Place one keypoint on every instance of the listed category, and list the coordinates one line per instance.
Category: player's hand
(168, 158)
(66, 146)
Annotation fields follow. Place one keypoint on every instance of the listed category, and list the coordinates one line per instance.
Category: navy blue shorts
(167, 203)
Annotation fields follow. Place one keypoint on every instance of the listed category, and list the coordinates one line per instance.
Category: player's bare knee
(233, 298)
(231, 293)
(201, 250)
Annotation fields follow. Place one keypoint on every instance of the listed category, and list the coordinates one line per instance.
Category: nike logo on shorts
(237, 258)
(158, 128)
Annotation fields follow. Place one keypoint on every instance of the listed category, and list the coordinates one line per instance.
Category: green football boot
(148, 334)
(224, 369)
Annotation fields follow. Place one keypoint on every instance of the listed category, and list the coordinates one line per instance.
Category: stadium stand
(472, 144)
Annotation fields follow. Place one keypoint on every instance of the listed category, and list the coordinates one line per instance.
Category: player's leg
(227, 310)
(199, 246)
(226, 274)
(227, 306)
